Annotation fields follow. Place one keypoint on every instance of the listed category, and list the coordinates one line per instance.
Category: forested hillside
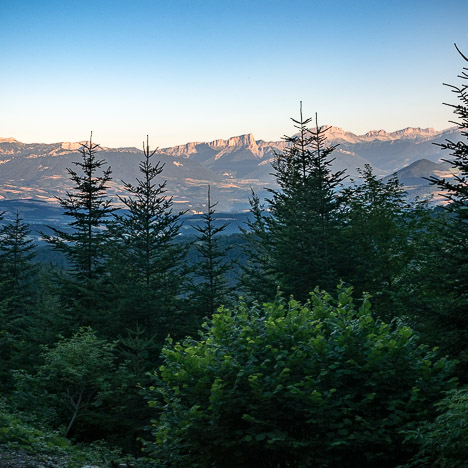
(330, 332)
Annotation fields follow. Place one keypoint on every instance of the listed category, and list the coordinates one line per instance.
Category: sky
(182, 71)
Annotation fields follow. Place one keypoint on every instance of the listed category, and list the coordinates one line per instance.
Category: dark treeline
(80, 341)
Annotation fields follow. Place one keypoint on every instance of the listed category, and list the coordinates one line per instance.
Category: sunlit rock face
(232, 166)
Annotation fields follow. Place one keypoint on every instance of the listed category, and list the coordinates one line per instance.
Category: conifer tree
(304, 211)
(17, 292)
(380, 237)
(209, 285)
(147, 259)
(49, 318)
(88, 207)
(454, 255)
(17, 252)
(259, 280)
(456, 190)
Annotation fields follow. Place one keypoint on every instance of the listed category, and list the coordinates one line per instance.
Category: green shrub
(18, 434)
(29, 441)
(320, 384)
(444, 442)
(71, 384)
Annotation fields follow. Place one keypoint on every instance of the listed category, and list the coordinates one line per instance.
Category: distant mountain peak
(414, 131)
(376, 133)
(193, 147)
(8, 140)
(72, 146)
(337, 133)
(241, 140)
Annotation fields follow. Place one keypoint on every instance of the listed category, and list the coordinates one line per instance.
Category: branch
(460, 52)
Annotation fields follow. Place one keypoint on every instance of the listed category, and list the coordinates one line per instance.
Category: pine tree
(147, 258)
(88, 208)
(209, 285)
(304, 211)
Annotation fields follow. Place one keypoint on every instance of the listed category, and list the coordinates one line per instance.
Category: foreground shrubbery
(18, 434)
(27, 441)
(320, 384)
(443, 442)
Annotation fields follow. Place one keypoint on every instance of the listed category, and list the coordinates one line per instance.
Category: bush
(20, 435)
(443, 442)
(26, 442)
(320, 384)
(73, 381)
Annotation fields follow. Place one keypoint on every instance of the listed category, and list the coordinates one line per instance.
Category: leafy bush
(74, 379)
(20, 436)
(443, 442)
(320, 384)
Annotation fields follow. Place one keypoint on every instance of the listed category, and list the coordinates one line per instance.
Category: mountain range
(232, 167)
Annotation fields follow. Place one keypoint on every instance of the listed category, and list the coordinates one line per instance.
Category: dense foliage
(319, 384)
(442, 442)
(26, 442)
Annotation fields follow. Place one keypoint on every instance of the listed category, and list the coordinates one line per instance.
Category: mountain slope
(414, 178)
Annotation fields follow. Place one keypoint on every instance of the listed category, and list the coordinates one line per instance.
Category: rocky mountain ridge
(337, 133)
(231, 166)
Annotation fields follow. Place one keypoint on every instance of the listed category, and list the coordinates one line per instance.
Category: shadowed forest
(331, 332)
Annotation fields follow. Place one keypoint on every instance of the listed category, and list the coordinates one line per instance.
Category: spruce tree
(304, 210)
(146, 258)
(209, 288)
(88, 207)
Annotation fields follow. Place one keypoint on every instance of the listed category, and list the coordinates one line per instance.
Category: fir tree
(88, 208)
(304, 211)
(17, 252)
(49, 318)
(147, 259)
(456, 190)
(17, 274)
(209, 285)
(259, 281)
(380, 236)
(454, 255)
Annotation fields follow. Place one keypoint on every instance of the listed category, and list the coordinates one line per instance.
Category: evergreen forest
(331, 332)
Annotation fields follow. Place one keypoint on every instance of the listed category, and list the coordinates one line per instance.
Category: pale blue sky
(185, 71)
